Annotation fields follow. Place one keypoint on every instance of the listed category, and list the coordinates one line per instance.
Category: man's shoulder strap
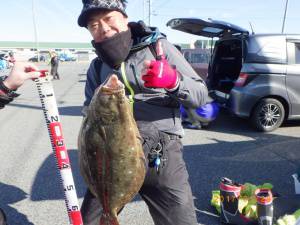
(152, 47)
(145, 36)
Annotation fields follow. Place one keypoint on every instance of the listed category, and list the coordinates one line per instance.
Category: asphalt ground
(30, 190)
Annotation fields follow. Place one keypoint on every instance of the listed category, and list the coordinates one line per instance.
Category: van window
(297, 53)
(293, 53)
(199, 58)
(266, 49)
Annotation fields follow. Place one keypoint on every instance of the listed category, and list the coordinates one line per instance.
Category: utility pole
(149, 13)
(144, 10)
(35, 31)
(285, 10)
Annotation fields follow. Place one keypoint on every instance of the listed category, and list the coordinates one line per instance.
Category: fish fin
(102, 133)
(107, 219)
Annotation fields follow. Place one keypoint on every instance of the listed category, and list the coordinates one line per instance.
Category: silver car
(255, 76)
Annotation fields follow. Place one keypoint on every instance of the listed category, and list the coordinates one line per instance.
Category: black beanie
(93, 5)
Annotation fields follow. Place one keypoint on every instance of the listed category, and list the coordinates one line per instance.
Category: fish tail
(108, 220)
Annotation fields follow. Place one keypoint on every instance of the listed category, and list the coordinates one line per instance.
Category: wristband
(6, 95)
(4, 99)
(5, 90)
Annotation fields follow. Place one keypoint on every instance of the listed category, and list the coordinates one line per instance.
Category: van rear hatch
(211, 28)
(227, 57)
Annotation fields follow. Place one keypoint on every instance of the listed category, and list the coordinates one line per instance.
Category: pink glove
(159, 74)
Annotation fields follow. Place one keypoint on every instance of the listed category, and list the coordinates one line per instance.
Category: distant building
(44, 45)
(26, 50)
(203, 43)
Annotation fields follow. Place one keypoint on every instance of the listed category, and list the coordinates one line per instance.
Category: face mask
(115, 49)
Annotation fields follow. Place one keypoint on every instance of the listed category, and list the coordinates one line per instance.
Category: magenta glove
(159, 74)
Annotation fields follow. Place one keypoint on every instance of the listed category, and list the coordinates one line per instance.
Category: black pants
(54, 72)
(168, 194)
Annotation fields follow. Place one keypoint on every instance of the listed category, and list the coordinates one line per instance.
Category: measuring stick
(47, 97)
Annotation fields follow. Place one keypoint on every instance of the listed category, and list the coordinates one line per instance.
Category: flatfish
(111, 157)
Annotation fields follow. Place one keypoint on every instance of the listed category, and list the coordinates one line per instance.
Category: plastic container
(264, 199)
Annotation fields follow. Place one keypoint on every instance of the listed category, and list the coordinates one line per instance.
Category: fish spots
(113, 167)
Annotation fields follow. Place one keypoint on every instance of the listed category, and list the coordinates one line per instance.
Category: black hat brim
(83, 17)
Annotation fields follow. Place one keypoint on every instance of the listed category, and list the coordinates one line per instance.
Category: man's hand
(158, 73)
(19, 74)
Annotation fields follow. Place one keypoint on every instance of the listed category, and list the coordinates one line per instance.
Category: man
(145, 62)
(18, 75)
(54, 66)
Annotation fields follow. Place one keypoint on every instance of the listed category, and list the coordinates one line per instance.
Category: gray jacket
(155, 105)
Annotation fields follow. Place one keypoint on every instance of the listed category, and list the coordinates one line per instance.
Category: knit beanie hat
(94, 5)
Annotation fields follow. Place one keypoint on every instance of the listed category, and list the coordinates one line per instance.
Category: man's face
(105, 24)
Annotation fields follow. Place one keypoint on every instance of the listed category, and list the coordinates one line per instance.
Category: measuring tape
(46, 94)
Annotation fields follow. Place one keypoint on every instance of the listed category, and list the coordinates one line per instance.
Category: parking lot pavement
(232, 149)
(30, 188)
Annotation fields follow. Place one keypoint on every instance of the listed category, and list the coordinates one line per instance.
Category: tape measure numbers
(48, 101)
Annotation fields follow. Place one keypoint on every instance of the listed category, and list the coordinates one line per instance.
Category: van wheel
(268, 115)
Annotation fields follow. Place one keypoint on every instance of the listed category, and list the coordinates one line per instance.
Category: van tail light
(240, 82)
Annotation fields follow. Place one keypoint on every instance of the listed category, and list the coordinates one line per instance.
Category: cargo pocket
(154, 145)
(150, 137)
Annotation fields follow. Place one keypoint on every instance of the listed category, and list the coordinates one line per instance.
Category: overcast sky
(56, 20)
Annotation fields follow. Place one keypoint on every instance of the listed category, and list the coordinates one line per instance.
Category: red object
(240, 82)
(76, 218)
(60, 147)
(160, 75)
(42, 72)
(264, 196)
(231, 188)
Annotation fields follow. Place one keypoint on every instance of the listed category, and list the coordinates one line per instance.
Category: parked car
(66, 57)
(255, 76)
(3, 61)
(3, 64)
(35, 58)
